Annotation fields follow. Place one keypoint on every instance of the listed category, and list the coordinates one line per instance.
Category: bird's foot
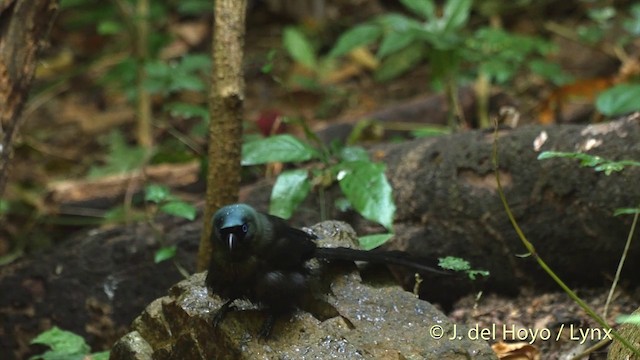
(267, 326)
(222, 312)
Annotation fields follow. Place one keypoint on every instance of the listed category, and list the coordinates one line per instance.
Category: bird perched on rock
(259, 257)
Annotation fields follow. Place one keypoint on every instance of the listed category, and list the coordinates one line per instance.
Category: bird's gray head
(234, 227)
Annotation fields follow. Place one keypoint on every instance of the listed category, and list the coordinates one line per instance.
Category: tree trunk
(225, 106)
(24, 24)
(448, 203)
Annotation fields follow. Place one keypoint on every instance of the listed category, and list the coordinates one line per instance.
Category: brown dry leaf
(362, 56)
(360, 60)
(516, 351)
(582, 90)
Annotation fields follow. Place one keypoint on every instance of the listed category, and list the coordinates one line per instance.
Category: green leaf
(399, 63)
(63, 344)
(279, 148)
(156, 193)
(459, 264)
(423, 8)
(629, 319)
(354, 153)
(360, 35)
(103, 355)
(290, 189)
(393, 42)
(109, 27)
(4, 206)
(472, 274)
(594, 161)
(626, 211)
(195, 7)
(632, 25)
(456, 13)
(551, 71)
(454, 263)
(164, 253)
(369, 242)
(299, 47)
(194, 63)
(367, 189)
(431, 130)
(620, 99)
(186, 81)
(179, 208)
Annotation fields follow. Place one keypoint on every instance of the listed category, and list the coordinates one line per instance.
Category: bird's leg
(267, 326)
(222, 312)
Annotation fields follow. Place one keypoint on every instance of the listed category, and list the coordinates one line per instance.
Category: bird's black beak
(232, 241)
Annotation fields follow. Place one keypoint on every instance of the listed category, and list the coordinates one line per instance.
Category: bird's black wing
(290, 247)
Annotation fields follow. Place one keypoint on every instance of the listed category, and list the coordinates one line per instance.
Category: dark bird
(259, 257)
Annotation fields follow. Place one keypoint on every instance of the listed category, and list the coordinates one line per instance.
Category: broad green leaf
(393, 42)
(290, 189)
(620, 99)
(399, 63)
(369, 242)
(186, 81)
(156, 193)
(279, 148)
(360, 35)
(179, 208)
(366, 187)
(299, 47)
(164, 253)
(353, 153)
(63, 344)
(423, 8)
(628, 319)
(456, 13)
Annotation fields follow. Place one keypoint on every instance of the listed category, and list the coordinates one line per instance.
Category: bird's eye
(245, 228)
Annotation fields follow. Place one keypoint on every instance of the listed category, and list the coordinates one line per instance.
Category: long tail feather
(383, 257)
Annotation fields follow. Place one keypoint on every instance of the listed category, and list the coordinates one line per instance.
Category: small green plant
(121, 158)
(588, 160)
(446, 42)
(65, 345)
(168, 204)
(302, 50)
(362, 181)
(458, 264)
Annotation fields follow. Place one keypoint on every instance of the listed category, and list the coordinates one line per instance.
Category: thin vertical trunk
(225, 105)
(24, 24)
